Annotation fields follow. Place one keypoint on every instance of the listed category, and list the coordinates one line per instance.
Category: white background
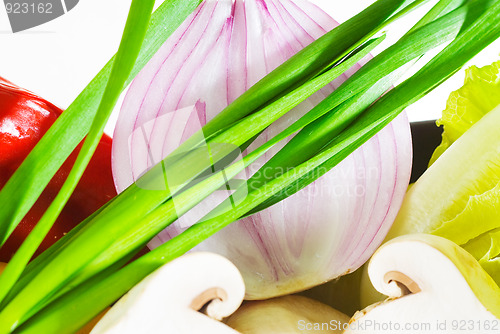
(57, 60)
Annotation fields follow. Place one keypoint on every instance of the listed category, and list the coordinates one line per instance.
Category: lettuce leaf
(477, 227)
(486, 248)
(467, 105)
(480, 215)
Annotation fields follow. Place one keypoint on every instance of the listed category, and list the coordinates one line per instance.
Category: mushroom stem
(405, 283)
(208, 296)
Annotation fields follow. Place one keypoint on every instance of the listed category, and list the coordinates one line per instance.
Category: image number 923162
(26, 14)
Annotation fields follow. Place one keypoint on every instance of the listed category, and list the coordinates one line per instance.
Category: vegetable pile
(232, 127)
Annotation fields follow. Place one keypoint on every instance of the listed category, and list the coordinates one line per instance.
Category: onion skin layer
(328, 229)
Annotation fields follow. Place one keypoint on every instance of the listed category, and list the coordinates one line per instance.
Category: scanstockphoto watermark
(333, 325)
(369, 326)
(435, 326)
(328, 189)
(345, 177)
(27, 14)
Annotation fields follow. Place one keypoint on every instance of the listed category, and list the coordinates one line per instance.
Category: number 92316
(28, 8)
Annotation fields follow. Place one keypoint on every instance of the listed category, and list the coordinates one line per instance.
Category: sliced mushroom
(433, 285)
(170, 299)
(287, 315)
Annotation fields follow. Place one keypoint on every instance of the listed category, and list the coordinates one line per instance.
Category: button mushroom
(170, 299)
(434, 286)
(287, 315)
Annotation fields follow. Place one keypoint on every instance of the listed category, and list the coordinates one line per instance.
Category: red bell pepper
(24, 119)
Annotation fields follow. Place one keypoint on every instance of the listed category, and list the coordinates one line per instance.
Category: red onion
(324, 231)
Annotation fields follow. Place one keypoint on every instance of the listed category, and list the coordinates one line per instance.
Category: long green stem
(442, 8)
(89, 247)
(130, 46)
